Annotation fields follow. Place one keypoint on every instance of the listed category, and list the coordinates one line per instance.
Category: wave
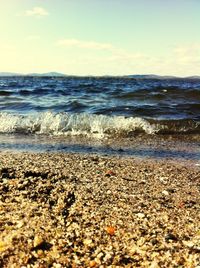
(49, 123)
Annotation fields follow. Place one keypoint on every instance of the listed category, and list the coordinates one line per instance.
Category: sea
(143, 117)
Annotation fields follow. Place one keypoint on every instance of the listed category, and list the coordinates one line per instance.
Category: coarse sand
(80, 210)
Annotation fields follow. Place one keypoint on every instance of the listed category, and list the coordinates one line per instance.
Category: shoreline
(83, 210)
(172, 147)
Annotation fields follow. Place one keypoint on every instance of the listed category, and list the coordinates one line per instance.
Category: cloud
(181, 59)
(118, 59)
(191, 49)
(187, 54)
(36, 12)
(84, 44)
(116, 54)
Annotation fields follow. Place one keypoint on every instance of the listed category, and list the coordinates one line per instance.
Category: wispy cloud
(191, 49)
(84, 44)
(180, 60)
(116, 53)
(36, 12)
(186, 54)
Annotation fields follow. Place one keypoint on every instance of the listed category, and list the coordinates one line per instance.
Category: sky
(100, 37)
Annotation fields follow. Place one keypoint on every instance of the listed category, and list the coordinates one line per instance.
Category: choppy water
(104, 106)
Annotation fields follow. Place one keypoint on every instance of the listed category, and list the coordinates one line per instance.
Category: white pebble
(165, 192)
(163, 180)
(140, 215)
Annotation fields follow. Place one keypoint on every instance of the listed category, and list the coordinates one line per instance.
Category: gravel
(75, 210)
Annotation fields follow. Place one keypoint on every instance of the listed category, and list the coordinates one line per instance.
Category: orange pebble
(110, 230)
(93, 263)
(181, 205)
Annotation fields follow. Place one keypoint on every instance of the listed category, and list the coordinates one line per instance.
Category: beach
(87, 210)
(100, 134)
(99, 172)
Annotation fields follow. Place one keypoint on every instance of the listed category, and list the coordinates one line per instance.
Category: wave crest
(49, 123)
(73, 124)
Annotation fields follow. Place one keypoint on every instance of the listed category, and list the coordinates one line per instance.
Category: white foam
(73, 124)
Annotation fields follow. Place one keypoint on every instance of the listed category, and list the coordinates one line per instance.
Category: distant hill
(8, 74)
(50, 74)
(193, 77)
(160, 77)
(150, 76)
(135, 76)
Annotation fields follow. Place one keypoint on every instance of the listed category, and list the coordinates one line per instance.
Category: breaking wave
(49, 123)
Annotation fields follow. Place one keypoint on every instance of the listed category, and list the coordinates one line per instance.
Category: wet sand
(76, 210)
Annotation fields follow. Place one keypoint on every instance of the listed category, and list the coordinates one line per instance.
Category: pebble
(87, 242)
(140, 215)
(5, 181)
(165, 192)
(110, 223)
(107, 257)
(57, 265)
(110, 230)
(163, 180)
(3, 246)
(20, 224)
(93, 263)
(37, 241)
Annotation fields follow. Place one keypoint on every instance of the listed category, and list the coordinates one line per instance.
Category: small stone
(20, 224)
(140, 215)
(3, 246)
(189, 244)
(163, 180)
(57, 265)
(154, 264)
(100, 255)
(87, 242)
(93, 264)
(107, 257)
(40, 253)
(165, 192)
(37, 241)
(110, 230)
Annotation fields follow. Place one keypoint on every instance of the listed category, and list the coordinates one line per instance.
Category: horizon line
(54, 73)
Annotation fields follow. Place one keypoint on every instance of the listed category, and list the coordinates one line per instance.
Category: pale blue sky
(98, 37)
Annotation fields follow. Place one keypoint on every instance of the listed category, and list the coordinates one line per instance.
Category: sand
(76, 210)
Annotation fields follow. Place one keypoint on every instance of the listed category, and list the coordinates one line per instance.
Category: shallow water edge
(179, 148)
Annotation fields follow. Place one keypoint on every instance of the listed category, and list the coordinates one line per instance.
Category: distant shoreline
(57, 75)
